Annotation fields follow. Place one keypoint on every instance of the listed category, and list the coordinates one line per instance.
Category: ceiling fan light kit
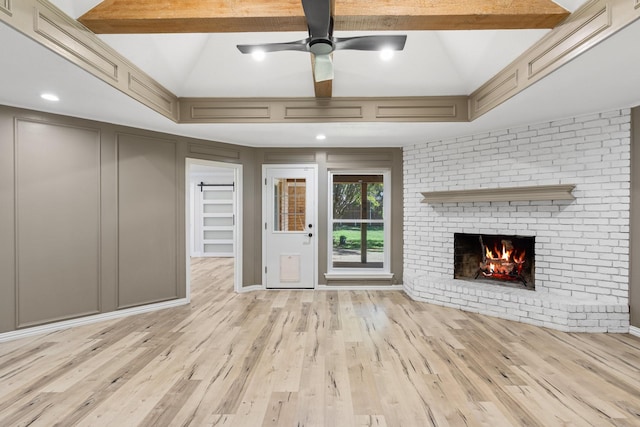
(258, 55)
(321, 42)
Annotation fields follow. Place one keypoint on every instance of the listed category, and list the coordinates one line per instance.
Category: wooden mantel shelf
(510, 194)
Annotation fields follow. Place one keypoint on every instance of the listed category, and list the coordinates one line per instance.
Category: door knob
(310, 234)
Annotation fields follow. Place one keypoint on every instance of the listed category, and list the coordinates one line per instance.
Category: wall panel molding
(418, 112)
(214, 112)
(56, 277)
(323, 112)
(5, 6)
(153, 93)
(290, 156)
(495, 90)
(148, 219)
(590, 24)
(577, 32)
(49, 23)
(349, 158)
(43, 22)
(214, 151)
(308, 110)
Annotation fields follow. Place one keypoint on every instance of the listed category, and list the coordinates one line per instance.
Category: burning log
(502, 262)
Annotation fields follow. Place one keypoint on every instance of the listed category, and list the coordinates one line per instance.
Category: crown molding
(43, 22)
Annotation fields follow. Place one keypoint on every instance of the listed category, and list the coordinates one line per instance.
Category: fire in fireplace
(501, 258)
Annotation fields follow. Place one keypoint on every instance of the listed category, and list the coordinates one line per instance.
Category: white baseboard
(359, 288)
(251, 288)
(635, 331)
(254, 288)
(66, 324)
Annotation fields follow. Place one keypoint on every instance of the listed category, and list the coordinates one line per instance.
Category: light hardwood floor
(323, 358)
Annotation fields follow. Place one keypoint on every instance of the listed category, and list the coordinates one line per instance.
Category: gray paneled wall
(92, 215)
(7, 225)
(57, 187)
(148, 220)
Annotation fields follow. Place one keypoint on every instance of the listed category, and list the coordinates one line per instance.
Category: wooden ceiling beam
(218, 16)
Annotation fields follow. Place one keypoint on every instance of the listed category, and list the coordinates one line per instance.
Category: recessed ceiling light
(258, 55)
(50, 97)
(321, 137)
(386, 54)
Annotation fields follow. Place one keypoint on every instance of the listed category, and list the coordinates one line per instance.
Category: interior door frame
(314, 192)
(238, 223)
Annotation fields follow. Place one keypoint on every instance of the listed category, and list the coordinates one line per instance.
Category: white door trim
(314, 242)
(237, 244)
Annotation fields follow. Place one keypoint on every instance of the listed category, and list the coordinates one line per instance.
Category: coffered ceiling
(433, 63)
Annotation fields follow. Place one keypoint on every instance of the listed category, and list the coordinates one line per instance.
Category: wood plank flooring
(316, 358)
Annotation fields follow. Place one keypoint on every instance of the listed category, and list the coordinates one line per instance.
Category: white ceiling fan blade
(323, 68)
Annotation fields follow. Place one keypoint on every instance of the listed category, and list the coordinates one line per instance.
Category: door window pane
(289, 204)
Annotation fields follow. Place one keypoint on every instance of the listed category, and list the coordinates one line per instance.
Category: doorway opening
(213, 215)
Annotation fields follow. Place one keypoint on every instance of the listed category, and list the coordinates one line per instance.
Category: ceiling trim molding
(46, 24)
(50, 25)
(307, 110)
(589, 25)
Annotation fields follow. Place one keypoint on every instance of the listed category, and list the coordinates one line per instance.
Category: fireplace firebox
(502, 259)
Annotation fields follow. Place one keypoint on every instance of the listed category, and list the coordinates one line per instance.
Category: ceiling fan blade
(300, 45)
(323, 68)
(318, 14)
(395, 42)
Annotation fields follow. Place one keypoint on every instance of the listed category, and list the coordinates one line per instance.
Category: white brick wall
(582, 246)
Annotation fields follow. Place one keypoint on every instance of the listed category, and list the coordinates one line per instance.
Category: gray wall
(92, 214)
(347, 159)
(634, 259)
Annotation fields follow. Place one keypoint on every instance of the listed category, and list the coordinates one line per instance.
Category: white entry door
(290, 235)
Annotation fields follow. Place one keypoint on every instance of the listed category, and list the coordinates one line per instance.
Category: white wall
(582, 246)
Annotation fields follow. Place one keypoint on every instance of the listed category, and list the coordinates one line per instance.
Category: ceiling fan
(321, 42)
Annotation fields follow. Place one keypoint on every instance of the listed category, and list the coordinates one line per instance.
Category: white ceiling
(433, 63)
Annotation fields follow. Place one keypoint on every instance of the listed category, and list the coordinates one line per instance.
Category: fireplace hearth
(503, 259)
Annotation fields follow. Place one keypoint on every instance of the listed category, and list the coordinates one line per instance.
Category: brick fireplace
(581, 246)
